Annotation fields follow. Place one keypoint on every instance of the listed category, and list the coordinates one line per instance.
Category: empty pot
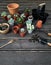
(13, 8)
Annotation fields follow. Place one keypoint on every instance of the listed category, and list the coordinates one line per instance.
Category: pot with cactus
(29, 26)
(22, 32)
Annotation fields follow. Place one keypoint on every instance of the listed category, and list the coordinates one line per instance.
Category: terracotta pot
(39, 24)
(13, 8)
(22, 34)
(15, 29)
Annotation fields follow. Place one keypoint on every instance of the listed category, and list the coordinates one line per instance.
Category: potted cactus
(4, 15)
(30, 30)
(29, 26)
(22, 32)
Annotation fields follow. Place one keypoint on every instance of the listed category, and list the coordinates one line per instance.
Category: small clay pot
(23, 32)
(39, 24)
(13, 8)
(15, 29)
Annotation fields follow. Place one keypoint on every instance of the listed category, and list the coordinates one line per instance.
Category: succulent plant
(22, 15)
(16, 15)
(8, 17)
(3, 13)
(19, 20)
(11, 21)
(27, 10)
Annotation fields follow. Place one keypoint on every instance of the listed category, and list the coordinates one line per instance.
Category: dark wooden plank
(25, 58)
(26, 3)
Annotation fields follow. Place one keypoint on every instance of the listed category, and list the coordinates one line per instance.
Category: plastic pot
(39, 24)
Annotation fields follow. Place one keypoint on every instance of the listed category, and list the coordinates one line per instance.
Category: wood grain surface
(23, 52)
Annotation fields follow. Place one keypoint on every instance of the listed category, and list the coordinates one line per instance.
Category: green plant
(27, 10)
(19, 20)
(3, 13)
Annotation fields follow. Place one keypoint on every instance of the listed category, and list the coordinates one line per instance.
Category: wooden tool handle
(49, 44)
(11, 41)
(49, 34)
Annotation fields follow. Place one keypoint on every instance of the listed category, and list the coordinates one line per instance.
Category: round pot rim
(13, 4)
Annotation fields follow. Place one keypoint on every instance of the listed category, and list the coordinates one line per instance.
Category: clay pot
(39, 24)
(15, 29)
(22, 32)
(13, 8)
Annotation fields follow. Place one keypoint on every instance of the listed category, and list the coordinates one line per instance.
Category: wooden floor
(23, 52)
